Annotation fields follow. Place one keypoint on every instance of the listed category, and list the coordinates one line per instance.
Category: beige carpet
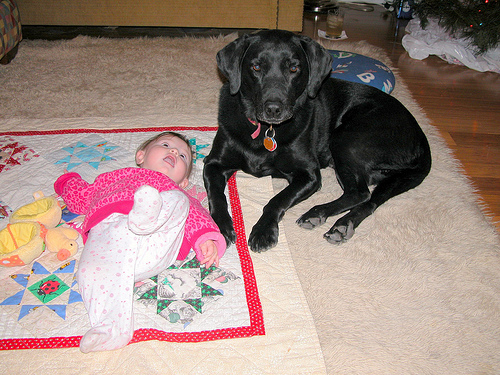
(415, 291)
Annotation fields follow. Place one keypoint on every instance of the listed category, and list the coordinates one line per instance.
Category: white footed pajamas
(121, 250)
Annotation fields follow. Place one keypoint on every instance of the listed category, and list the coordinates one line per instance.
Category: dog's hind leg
(393, 185)
(264, 234)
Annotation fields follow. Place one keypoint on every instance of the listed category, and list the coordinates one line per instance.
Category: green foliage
(475, 20)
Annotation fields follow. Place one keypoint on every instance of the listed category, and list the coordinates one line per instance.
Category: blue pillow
(358, 68)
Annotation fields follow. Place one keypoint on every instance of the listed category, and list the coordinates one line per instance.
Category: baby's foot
(175, 208)
(143, 217)
(104, 337)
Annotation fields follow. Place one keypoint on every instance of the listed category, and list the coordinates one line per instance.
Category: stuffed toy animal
(32, 228)
(62, 241)
(44, 210)
(20, 243)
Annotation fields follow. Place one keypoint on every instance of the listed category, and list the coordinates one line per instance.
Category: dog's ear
(320, 64)
(229, 61)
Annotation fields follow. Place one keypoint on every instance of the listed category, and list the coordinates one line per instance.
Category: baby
(138, 221)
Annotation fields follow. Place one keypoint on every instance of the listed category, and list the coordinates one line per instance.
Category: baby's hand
(210, 254)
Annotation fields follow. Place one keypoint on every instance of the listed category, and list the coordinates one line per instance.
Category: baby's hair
(147, 142)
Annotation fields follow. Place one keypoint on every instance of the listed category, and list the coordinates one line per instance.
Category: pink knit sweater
(113, 192)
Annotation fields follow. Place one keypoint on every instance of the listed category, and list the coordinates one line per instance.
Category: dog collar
(269, 141)
(256, 133)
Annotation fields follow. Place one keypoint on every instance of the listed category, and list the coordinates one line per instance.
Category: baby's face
(168, 155)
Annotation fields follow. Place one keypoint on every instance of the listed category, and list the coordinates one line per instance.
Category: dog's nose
(273, 109)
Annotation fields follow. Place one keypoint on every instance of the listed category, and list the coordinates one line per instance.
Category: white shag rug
(415, 291)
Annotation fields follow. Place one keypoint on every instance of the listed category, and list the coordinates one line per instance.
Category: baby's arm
(74, 191)
(200, 229)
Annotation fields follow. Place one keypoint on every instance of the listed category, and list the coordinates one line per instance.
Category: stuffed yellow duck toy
(32, 229)
(62, 240)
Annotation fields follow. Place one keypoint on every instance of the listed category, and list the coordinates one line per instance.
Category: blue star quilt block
(40, 290)
(89, 154)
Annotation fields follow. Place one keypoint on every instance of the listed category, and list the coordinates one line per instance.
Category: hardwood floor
(462, 103)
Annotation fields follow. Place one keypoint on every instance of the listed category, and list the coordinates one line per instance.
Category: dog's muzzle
(274, 112)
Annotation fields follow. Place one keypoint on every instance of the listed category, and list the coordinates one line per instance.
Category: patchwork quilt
(40, 304)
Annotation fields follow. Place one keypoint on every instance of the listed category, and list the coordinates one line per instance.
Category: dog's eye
(294, 69)
(256, 67)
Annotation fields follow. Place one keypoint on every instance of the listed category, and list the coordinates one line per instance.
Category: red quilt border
(256, 326)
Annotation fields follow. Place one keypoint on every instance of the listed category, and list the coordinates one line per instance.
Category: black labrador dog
(280, 115)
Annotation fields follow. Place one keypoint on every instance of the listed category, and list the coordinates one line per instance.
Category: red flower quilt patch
(13, 153)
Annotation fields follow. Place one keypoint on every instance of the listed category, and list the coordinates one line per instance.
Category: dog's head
(274, 71)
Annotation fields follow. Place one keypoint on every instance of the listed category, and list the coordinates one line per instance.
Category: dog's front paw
(340, 233)
(262, 238)
(226, 228)
(229, 235)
